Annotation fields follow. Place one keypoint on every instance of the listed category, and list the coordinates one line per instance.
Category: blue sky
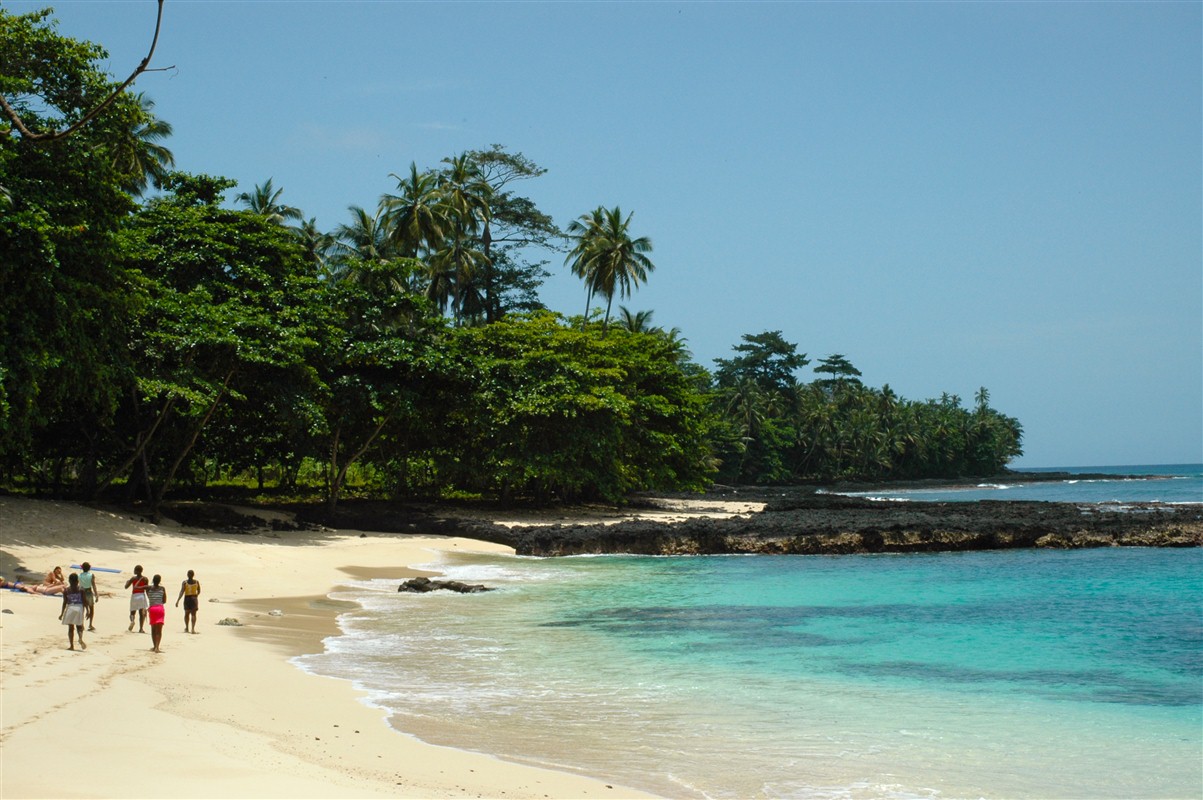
(952, 195)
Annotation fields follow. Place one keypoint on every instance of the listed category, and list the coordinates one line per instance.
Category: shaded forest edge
(794, 520)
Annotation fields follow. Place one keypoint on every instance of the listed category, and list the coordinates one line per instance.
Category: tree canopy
(187, 339)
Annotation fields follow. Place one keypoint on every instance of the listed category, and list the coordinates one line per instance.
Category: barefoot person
(156, 598)
(87, 582)
(190, 591)
(137, 599)
(73, 613)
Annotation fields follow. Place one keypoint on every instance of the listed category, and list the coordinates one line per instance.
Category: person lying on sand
(34, 588)
(16, 585)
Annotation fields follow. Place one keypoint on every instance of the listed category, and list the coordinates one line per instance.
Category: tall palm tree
(467, 196)
(607, 257)
(417, 218)
(138, 154)
(465, 192)
(585, 230)
(265, 201)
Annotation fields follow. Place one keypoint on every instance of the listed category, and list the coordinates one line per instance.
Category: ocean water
(1016, 674)
(1169, 483)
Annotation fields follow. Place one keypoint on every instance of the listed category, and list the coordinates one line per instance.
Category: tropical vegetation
(159, 338)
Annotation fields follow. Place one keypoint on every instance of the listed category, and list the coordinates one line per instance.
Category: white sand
(221, 713)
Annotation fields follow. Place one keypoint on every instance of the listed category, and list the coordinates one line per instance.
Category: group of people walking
(148, 601)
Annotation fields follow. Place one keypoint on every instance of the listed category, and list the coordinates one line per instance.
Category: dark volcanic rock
(816, 523)
(423, 585)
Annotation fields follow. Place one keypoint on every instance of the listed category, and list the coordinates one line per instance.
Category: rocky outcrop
(423, 585)
(833, 524)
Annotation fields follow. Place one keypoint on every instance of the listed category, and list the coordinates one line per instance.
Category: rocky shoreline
(831, 524)
(799, 520)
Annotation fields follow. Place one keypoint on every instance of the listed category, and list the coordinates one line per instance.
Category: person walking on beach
(156, 599)
(87, 582)
(137, 599)
(73, 613)
(190, 591)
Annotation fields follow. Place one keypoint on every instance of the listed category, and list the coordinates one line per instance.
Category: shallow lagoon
(991, 674)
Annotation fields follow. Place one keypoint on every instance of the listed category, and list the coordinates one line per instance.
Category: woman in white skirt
(74, 614)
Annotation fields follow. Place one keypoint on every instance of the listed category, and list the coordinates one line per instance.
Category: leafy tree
(228, 308)
(63, 367)
(556, 413)
(766, 359)
(513, 228)
(376, 373)
(28, 47)
(839, 368)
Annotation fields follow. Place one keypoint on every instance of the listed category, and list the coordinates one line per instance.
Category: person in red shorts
(156, 598)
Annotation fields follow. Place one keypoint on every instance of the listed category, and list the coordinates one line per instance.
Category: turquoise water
(1176, 483)
(1019, 674)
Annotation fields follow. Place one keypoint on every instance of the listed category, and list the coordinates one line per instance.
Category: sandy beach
(221, 713)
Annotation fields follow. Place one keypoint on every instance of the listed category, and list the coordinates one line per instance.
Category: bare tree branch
(50, 136)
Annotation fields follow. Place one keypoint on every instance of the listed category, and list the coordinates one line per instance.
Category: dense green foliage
(779, 430)
(173, 341)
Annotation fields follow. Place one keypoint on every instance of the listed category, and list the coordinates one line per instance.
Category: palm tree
(465, 192)
(609, 259)
(265, 201)
(606, 256)
(454, 277)
(417, 218)
(363, 247)
(635, 322)
(366, 238)
(317, 245)
(138, 154)
(585, 230)
(464, 273)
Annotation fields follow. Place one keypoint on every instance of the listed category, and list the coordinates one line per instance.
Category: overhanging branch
(50, 136)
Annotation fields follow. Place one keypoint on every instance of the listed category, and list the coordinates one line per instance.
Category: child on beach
(189, 590)
(156, 599)
(73, 613)
(137, 599)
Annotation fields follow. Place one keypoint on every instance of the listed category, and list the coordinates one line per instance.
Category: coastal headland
(785, 520)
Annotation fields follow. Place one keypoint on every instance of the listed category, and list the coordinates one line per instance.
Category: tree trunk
(340, 477)
(162, 491)
(139, 451)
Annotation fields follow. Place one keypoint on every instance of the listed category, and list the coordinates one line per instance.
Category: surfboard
(96, 569)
